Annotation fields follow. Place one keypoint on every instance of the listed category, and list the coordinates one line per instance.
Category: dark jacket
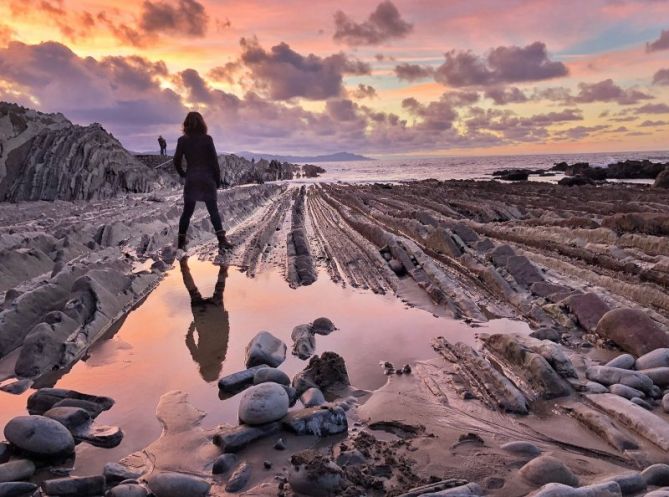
(203, 175)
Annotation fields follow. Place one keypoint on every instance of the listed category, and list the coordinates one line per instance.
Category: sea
(476, 168)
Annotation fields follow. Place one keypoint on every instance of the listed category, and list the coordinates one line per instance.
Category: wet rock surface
(39, 436)
(169, 484)
(265, 349)
(579, 391)
(262, 404)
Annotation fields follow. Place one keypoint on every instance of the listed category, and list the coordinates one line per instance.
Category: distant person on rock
(163, 145)
(203, 176)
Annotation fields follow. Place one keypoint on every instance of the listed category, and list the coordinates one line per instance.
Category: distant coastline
(335, 157)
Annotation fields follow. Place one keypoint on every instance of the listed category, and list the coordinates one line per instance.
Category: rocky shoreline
(586, 267)
(576, 408)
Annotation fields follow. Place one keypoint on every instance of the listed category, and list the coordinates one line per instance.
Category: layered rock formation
(237, 170)
(46, 157)
(69, 270)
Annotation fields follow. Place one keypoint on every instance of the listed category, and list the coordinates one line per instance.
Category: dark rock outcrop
(46, 157)
(662, 180)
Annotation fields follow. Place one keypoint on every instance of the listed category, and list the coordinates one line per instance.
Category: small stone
(71, 418)
(624, 391)
(280, 444)
(312, 397)
(654, 359)
(623, 361)
(17, 489)
(168, 484)
(235, 439)
(128, 490)
(304, 341)
(323, 326)
(656, 475)
(270, 375)
(115, 473)
(17, 470)
(224, 463)
(522, 448)
(263, 404)
(594, 387)
(236, 382)
(547, 469)
(39, 436)
(238, 479)
(101, 436)
(265, 348)
(267, 464)
(659, 376)
(406, 369)
(640, 402)
(75, 486)
(630, 482)
(46, 398)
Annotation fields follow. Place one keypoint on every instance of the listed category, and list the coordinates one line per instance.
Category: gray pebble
(624, 391)
(623, 361)
(656, 475)
(640, 402)
(239, 478)
(224, 463)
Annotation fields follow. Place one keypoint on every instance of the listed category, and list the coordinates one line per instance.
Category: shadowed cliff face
(46, 157)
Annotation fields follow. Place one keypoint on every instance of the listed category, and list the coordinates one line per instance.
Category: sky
(389, 78)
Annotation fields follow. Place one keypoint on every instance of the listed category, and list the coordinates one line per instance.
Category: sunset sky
(406, 77)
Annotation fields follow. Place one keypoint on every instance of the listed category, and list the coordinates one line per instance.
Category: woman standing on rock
(203, 176)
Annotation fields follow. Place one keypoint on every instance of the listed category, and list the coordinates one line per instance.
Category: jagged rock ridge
(46, 157)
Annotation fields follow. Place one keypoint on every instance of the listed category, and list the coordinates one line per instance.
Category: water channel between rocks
(167, 344)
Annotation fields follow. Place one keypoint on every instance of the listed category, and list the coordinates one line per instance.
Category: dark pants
(189, 208)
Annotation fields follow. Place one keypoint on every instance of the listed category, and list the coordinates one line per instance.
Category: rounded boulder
(40, 436)
(263, 403)
(632, 330)
(548, 469)
(177, 485)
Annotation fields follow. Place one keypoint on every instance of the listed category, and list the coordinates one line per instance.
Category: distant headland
(335, 157)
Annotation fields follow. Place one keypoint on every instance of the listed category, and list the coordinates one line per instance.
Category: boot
(181, 242)
(223, 243)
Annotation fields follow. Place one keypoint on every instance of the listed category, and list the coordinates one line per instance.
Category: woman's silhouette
(203, 176)
(210, 322)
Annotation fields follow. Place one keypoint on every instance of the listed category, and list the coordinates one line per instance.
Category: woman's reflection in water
(210, 322)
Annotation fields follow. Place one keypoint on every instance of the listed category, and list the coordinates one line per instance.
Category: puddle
(167, 344)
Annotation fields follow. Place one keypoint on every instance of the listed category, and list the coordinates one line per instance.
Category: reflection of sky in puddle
(153, 352)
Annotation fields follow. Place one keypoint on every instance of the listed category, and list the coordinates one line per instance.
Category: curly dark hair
(194, 124)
